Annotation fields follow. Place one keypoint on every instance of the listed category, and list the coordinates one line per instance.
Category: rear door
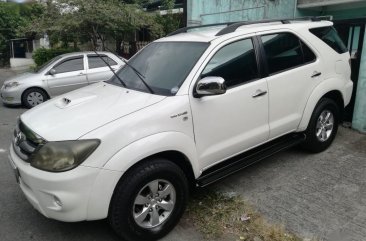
(293, 72)
(98, 70)
(70, 75)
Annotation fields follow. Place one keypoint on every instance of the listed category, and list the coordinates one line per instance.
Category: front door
(228, 124)
(70, 75)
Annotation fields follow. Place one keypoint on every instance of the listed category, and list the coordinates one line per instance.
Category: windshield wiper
(120, 80)
(141, 76)
(138, 73)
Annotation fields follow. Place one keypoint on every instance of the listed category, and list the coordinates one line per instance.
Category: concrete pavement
(322, 195)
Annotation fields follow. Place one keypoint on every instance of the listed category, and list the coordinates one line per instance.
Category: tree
(170, 21)
(12, 18)
(95, 20)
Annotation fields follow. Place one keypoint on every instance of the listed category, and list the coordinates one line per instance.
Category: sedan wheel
(33, 97)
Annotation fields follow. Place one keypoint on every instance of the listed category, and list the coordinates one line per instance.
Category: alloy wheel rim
(34, 98)
(325, 125)
(154, 203)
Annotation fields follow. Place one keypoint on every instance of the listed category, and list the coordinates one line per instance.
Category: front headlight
(62, 155)
(11, 84)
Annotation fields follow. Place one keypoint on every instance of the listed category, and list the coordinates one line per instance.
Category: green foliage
(169, 22)
(12, 18)
(42, 55)
(84, 20)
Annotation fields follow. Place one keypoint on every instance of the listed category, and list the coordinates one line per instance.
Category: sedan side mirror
(211, 85)
(52, 72)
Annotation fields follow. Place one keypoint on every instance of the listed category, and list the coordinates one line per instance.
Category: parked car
(186, 111)
(62, 74)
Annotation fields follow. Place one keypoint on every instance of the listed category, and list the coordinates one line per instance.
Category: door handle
(259, 93)
(81, 74)
(316, 74)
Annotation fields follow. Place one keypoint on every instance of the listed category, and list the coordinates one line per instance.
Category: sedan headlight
(11, 84)
(63, 155)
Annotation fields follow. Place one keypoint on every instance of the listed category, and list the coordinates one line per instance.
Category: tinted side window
(95, 61)
(69, 65)
(309, 55)
(283, 51)
(235, 62)
(330, 36)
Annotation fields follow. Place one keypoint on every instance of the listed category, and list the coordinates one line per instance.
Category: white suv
(187, 110)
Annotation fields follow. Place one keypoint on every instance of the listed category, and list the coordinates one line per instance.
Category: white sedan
(62, 74)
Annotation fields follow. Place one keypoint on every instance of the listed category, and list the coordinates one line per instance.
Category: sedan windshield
(162, 65)
(47, 64)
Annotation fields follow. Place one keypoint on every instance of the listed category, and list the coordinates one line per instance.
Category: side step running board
(248, 158)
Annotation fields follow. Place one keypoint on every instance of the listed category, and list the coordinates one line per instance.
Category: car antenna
(141, 76)
(120, 80)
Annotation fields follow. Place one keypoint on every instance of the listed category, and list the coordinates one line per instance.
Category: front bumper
(62, 196)
(11, 96)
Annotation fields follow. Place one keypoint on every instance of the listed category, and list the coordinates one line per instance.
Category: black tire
(41, 94)
(122, 205)
(312, 142)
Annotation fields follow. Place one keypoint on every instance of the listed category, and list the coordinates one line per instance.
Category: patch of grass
(218, 216)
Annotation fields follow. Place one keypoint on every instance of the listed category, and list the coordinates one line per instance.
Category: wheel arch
(115, 169)
(34, 87)
(337, 96)
(178, 158)
(331, 89)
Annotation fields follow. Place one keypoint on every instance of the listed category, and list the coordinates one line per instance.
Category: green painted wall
(218, 11)
(359, 114)
(347, 13)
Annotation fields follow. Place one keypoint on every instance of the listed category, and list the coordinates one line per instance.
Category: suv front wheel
(149, 200)
(323, 126)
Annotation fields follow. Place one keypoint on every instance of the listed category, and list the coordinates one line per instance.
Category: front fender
(119, 163)
(150, 145)
(331, 84)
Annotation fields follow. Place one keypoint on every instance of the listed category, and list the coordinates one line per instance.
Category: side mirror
(52, 72)
(211, 85)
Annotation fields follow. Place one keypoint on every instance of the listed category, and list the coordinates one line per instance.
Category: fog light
(9, 98)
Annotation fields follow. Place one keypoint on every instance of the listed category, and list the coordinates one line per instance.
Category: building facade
(349, 17)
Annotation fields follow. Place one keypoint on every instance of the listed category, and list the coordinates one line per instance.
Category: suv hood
(72, 115)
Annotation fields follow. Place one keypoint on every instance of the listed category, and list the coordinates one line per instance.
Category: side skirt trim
(248, 158)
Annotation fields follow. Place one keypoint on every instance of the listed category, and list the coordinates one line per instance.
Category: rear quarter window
(330, 36)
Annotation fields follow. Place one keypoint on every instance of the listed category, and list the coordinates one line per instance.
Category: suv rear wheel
(323, 126)
(149, 200)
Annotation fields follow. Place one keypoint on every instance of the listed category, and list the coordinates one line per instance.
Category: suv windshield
(163, 65)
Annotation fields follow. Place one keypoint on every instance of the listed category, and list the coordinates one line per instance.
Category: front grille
(25, 141)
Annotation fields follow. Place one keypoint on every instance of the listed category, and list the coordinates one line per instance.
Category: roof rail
(233, 26)
(185, 29)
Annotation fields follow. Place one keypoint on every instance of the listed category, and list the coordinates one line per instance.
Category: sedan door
(69, 74)
(98, 70)
(228, 124)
